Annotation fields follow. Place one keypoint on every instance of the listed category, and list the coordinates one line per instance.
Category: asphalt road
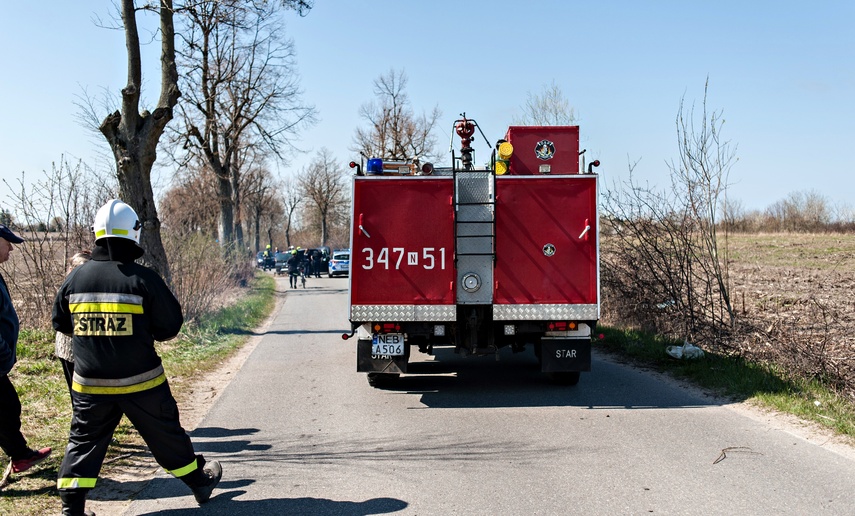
(298, 431)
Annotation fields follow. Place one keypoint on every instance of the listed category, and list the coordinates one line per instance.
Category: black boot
(74, 502)
(204, 479)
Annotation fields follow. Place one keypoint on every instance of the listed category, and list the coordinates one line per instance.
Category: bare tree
(67, 194)
(324, 187)
(242, 92)
(190, 205)
(261, 204)
(663, 263)
(133, 135)
(301, 6)
(292, 198)
(394, 131)
(549, 107)
(702, 174)
(801, 211)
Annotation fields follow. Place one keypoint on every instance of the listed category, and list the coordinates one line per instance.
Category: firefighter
(115, 309)
(269, 260)
(293, 265)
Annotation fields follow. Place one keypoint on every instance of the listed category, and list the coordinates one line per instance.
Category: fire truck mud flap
(368, 363)
(559, 355)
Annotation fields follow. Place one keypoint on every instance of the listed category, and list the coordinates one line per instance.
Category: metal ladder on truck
(475, 256)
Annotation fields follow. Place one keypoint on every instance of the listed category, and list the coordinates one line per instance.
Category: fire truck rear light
(501, 167)
(510, 329)
(352, 164)
(427, 169)
(561, 326)
(377, 328)
(439, 330)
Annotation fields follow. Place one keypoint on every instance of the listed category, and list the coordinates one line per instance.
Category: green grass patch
(738, 379)
(47, 407)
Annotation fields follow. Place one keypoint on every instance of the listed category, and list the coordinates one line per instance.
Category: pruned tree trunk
(133, 136)
(226, 221)
(236, 201)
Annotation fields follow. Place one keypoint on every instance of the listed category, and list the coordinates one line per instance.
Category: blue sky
(782, 73)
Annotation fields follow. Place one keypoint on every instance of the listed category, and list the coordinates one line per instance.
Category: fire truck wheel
(382, 379)
(564, 377)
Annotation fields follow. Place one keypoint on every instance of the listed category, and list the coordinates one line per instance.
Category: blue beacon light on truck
(374, 167)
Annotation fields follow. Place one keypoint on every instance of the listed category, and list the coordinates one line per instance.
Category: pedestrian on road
(316, 263)
(12, 441)
(293, 265)
(62, 343)
(116, 309)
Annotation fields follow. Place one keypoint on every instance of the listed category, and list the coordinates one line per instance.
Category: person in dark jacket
(115, 309)
(293, 265)
(12, 441)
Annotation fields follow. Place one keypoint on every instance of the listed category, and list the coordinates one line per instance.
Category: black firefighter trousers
(11, 440)
(153, 412)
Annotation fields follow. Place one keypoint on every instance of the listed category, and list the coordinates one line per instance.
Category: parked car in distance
(339, 263)
(281, 263)
(259, 259)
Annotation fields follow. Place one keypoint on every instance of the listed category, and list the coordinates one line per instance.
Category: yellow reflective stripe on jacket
(75, 483)
(180, 472)
(105, 297)
(108, 308)
(124, 389)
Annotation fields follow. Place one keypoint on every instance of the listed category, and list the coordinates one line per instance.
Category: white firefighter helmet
(117, 220)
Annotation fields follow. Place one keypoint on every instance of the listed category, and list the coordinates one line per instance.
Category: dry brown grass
(793, 295)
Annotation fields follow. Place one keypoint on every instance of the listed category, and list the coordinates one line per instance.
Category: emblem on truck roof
(544, 149)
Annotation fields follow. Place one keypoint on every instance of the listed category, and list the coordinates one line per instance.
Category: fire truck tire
(564, 377)
(379, 380)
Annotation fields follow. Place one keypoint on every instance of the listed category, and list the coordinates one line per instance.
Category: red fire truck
(477, 258)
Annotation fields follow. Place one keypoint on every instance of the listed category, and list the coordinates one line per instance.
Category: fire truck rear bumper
(559, 354)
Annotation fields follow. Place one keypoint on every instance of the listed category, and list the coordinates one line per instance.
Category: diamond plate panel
(474, 213)
(484, 228)
(475, 245)
(474, 186)
(483, 267)
(403, 313)
(545, 312)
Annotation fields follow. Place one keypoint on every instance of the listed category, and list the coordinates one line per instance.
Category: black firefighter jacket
(115, 309)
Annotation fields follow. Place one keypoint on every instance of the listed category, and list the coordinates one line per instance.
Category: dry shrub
(54, 216)
(204, 275)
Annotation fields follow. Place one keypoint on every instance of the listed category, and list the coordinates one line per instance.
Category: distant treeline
(799, 212)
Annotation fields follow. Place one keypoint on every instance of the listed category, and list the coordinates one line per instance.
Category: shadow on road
(228, 445)
(305, 332)
(453, 381)
(226, 504)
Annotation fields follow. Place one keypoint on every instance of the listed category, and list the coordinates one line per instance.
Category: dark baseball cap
(8, 235)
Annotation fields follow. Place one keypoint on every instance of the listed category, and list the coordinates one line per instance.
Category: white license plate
(388, 344)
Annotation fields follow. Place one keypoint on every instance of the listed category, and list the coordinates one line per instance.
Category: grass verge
(47, 407)
(738, 379)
